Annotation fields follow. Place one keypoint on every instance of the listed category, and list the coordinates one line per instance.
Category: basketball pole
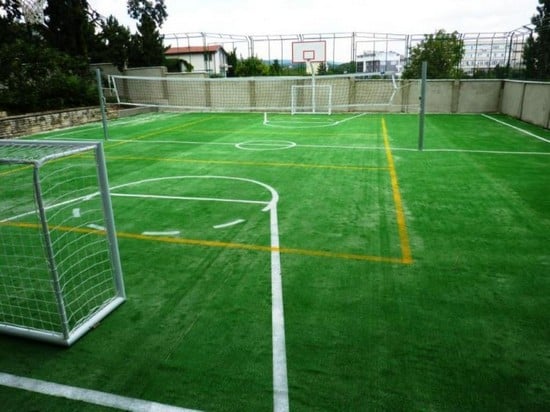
(313, 99)
(313, 108)
(422, 111)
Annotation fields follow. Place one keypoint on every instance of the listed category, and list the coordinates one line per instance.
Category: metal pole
(102, 104)
(313, 99)
(422, 111)
(50, 255)
(109, 219)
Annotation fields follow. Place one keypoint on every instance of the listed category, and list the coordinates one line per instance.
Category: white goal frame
(319, 100)
(60, 272)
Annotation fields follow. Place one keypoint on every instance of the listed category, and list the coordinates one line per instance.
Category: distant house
(378, 61)
(203, 59)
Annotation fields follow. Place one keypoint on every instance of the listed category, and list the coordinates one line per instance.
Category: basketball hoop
(310, 52)
(33, 11)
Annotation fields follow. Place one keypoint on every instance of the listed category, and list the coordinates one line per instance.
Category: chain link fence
(370, 52)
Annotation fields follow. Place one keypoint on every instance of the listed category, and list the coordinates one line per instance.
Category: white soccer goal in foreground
(60, 269)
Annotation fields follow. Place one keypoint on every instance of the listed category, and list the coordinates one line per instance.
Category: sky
(260, 17)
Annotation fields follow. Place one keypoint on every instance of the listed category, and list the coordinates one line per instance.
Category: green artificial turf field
(323, 254)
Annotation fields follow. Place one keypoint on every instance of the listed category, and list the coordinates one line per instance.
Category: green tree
(275, 69)
(345, 68)
(443, 52)
(147, 45)
(251, 66)
(232, 62)
(34, 75)
(536, 53)
(68, 26)
(322, 69)
(37, 77)
(112, 43)
(155, 10)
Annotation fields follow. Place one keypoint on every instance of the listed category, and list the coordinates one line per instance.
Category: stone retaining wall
(22, 125)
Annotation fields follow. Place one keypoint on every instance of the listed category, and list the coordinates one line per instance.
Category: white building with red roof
(211, 59)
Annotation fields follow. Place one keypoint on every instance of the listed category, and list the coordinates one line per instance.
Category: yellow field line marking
(399, 211)
(161, 131)
(17, 169)
(246, 163)
(219, 244)
(287, 132)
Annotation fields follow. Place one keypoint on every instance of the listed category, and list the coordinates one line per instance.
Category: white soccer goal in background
(311, 99)
(60, 270)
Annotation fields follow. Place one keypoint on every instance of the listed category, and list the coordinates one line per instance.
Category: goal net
(311, 99)
(59, 265)
(361, 92)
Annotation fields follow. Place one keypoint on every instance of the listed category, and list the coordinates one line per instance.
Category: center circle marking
(262, 145)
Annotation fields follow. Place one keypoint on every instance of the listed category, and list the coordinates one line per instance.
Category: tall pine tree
(147, 48)
(69, 29)
(537, 49)
(147, 45)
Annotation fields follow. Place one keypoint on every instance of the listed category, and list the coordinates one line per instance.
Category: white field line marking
(166, 233)
(498, 152)
(228, 224)
(350, 147)
(346, 147)
(519, 129)
(86, 395)
(285, 124)
(211, 199)
(94, 226)
(406, 149)
(351, 118)
(172, 142)
(314, 123)
(280, 375)
(259, 145)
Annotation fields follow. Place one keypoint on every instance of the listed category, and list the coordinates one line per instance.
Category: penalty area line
(85, 395)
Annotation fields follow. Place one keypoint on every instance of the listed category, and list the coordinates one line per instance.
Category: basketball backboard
(309, 51)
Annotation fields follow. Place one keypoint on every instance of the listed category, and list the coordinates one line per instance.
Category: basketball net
(33, 10)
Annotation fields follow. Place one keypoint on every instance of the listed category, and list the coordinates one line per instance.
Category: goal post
(60, 271)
